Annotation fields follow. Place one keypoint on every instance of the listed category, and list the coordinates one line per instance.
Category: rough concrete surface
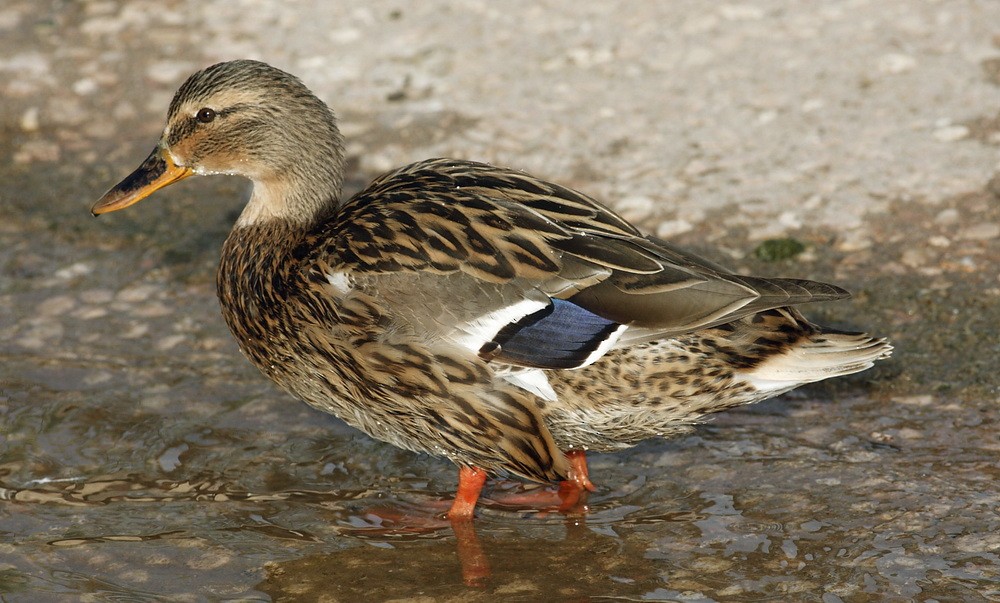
(140, 457)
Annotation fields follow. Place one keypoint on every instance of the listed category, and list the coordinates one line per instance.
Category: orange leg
(578, 472)
(470, 484)
(572, 489)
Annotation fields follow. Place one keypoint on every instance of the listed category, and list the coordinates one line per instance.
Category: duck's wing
(557, 277)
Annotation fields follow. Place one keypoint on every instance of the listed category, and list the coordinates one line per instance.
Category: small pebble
(710, 564)
(168, 72)
(951, 133)
(210, 561)
(696, 167)
(84, 87)
(56, 306)
(152, 310)
(135, 331)
(789, 548)
(98, 378)
(766, 117)
(853, 241)
(920, 400)
(790, 220)
(170, 342)
(741, 12)
(41, 335)
(136, 293)
(96, 296)
(980, 232)
(9, 19)
(344, 35)
(700, 22)
(135, 576)
(947, 216)
(37, 150)
(102, 26)
(90, 313)
(589, 57)
(812, 104)
(77, 269)
(29, 120)
(635, 208)
(914, 257)
(894, 63)
(379, 162)
(671, 228)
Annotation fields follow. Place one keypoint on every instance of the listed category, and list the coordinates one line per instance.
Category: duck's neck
(284, 203)
(303, 191)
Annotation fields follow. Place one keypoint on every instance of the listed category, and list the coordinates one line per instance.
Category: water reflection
(517, 551)
(499, 555)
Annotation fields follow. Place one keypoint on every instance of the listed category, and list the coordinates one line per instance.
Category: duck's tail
(819, 354)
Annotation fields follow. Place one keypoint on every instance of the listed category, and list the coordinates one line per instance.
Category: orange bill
(157, 171)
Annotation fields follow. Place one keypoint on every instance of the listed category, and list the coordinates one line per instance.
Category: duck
(469, 311)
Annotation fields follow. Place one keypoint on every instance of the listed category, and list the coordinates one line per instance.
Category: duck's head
(249, 119)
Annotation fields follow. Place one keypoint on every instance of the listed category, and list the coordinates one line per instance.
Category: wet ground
(141, 458)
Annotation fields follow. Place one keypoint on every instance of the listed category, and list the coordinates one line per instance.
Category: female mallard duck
(474, 312)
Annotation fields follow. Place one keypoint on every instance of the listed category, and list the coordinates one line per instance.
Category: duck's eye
(205, 115)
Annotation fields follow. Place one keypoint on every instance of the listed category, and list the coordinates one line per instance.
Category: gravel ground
(867, 131)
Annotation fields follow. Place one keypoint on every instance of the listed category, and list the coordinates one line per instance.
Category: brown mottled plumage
(470, 311)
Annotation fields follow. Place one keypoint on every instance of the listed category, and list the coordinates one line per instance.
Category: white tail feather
(820, 357)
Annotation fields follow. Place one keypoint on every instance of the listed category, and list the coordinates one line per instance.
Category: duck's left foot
(573, 491)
